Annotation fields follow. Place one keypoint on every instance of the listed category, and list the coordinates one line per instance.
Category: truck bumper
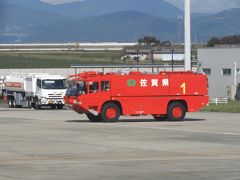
(46, 102)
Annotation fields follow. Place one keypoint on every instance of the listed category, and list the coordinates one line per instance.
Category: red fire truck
(166, 95)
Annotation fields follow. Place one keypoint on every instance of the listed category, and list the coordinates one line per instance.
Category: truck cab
(89, 92)
(49, 91)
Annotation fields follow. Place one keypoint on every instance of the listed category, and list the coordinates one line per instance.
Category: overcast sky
(197, 5)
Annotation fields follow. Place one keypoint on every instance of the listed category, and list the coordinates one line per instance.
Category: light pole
(180, 18)
(187, 22)
(152, 56)
(172, 51)
(235, 74)
(234, 91)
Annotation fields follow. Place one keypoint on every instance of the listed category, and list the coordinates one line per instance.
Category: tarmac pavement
(60, 144)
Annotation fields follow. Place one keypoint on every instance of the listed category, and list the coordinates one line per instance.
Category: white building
(218, 64)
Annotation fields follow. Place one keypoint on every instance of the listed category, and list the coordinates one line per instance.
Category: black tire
(36, 104)
(176, 111)
(10, 103)
(32, 103)
(14, 103)
(93, 118)
(29, 103)
(110, 113)
(53, 106)
(60, 106)
(160, 117)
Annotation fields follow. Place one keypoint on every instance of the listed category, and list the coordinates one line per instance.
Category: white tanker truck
(35, 90)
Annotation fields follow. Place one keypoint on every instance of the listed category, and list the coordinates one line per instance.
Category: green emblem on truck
(131, 83)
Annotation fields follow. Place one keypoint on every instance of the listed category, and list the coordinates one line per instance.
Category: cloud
(208, 5)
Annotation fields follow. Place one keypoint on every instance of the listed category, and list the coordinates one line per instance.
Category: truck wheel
(160, 117)
(14, 103)
(10, 103)
(93, 118)
(32, 103)
(37, 105)
(176, 111)
(53, 106)
(29, 104)
(60, 106)
(110, 113)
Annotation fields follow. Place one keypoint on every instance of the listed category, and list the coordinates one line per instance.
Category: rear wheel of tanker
(160, 117)
(10, 103)
(14, 103)
(176, 111)
(93, 118)
(29, 103)
(32, 103)
(60, 106)
(110, 113)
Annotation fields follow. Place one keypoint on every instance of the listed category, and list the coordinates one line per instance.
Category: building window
(207, 71)
(238, 71)
(226, 72)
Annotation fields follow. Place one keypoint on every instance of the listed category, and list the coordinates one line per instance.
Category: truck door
(98, 93)
(38, 87)
(93, 95)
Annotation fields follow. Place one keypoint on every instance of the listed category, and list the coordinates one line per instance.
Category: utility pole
(234, 87)
(172, 51)
(235, 74)
(187, 22)
(180, 18)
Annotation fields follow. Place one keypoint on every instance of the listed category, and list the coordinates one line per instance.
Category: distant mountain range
(120, 27)
(221, 24)
(105, 20)
(90, 8)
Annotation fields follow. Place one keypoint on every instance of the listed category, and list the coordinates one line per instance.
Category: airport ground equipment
(164, 95)
(35, 90)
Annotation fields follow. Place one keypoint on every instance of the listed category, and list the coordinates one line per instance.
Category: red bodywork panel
(139, 94)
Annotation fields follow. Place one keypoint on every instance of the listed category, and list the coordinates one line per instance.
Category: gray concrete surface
(62, 145)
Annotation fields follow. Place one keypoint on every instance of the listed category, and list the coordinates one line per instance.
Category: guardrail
(218, 100)
(143, 67)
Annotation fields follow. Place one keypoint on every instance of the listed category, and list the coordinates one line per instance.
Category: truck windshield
(53, 84)
(76, 88)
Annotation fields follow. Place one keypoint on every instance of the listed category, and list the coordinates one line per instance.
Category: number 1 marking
(183, 86)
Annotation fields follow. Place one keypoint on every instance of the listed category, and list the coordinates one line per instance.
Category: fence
(219, 100)
(105, 68)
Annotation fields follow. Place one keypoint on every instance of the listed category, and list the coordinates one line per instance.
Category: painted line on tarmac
(183, 130)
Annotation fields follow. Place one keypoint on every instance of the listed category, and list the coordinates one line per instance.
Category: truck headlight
(44, 101)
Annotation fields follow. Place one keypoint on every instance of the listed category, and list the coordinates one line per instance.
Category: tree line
(235, 39)
(152, 41)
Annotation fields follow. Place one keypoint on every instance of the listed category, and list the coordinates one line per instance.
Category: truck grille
(55, 95)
